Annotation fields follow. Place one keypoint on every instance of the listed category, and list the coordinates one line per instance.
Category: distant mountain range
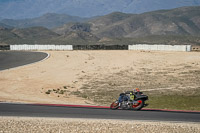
(175, 26)
(2, 25)
(40, 35)
(20, 9)
(49, 20)
(179, 21)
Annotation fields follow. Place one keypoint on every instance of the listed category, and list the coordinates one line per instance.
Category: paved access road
(7, 109)
(11, 59)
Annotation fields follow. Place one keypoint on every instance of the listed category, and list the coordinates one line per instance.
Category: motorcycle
(137, 103)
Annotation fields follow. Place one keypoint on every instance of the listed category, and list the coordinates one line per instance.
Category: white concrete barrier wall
(41, 47)
(160, 47)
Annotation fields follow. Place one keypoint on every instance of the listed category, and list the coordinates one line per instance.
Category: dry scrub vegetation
(168, 85)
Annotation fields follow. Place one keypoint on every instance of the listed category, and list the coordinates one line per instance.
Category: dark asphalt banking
(30, 110)
(11, 59)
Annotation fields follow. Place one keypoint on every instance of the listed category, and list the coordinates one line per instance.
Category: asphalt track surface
(11, 59)
(34, 110)
(14, 59)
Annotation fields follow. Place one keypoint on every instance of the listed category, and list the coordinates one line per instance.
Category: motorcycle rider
(127, 96)
(122, 97)
(132, 96)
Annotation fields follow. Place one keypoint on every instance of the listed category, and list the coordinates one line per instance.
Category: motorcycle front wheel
(138, 106)
(114, 105)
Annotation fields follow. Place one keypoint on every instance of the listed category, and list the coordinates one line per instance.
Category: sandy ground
(59, 125)
(70, 70)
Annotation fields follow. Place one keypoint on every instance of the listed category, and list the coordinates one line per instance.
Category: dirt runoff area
(97, 77)
(59, 125)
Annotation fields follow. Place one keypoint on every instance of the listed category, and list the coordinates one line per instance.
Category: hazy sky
(85, 8)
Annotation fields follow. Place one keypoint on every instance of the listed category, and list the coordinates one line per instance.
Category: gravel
(69, 125)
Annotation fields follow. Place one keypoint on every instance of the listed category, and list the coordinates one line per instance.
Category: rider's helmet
(137, 89)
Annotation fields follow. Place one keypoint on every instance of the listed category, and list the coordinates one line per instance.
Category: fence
(160, 47)
(4, 47)
(148, 47)
(100, 47)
